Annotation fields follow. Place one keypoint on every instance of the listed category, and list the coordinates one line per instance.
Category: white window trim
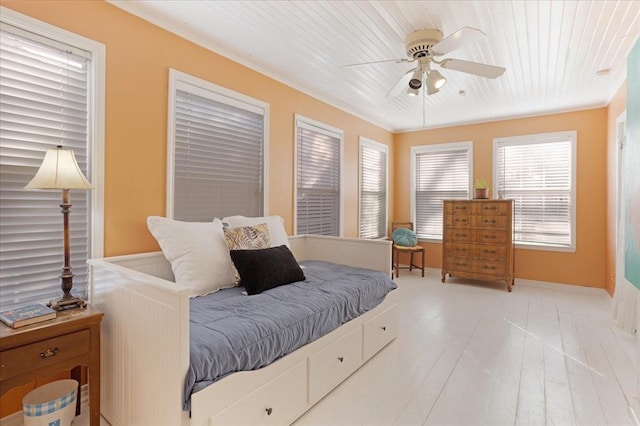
(179, 80)
(542, 138)
(97, 107)
(419, 149)
(317, 126)
(365, 142)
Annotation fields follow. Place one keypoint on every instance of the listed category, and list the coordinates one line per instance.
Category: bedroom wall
(139, 56)
(617, 105)
(586, 266)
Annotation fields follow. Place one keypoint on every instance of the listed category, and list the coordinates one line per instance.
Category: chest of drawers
(477, 239)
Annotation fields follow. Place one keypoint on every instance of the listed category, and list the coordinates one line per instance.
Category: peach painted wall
(586, 266)
(617, 105)
(139, 56)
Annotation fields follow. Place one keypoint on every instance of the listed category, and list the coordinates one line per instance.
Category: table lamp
(59, 170)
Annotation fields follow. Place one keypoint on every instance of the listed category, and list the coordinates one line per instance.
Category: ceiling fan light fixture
(413, 92)
(416, 79)
(437, 79)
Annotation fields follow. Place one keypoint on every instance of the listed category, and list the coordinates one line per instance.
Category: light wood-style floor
(474, 354)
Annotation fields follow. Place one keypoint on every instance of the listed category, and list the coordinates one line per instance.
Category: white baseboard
(16, 418)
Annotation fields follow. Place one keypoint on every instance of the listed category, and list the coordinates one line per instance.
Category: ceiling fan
(424, 47)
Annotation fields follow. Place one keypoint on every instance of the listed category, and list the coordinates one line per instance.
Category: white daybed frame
(145, 345)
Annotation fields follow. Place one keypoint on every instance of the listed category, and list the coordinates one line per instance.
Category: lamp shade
(59, 170)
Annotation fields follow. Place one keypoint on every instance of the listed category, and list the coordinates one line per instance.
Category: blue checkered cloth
(35, 410)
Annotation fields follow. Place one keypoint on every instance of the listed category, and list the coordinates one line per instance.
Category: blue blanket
(233, 332)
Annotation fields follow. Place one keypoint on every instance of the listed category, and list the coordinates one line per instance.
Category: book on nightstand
(25, 315)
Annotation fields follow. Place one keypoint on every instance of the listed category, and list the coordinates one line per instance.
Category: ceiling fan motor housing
(419, 43)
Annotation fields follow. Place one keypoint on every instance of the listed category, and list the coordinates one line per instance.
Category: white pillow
(277, 234)
(197, 252)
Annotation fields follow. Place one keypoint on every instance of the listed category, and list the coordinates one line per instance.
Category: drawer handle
(49, 353)
(486, 208)
(461, 249)
(492, 237)
(269, 411)
(341, 358)
(493, 222)
(462, 265)
(490, 251)
(461, 235)
(383, 328)
(489, 267)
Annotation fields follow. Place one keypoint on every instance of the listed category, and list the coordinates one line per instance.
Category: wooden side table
(70, 341)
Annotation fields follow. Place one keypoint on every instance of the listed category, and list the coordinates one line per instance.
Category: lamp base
(67, 303)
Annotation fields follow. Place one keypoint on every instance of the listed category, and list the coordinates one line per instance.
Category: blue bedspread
(233, 332)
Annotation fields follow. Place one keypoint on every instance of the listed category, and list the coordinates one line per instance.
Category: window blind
(44, 98)
(440, 173)
(373, 191)
(536, 172)
(218, 158)
(317, 181)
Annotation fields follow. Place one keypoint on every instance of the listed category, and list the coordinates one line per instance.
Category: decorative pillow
(246, 238)
(404, 237)
(277, 234)
(197, 252)
(263, 269)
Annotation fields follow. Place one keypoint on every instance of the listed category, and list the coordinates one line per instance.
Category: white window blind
(441, 172)
(373, 189)
(44, 102)
(317, 178)
(537, 172)
(219, 147)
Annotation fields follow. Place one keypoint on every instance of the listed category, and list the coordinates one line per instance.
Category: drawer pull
(461, 235)
(383, 328)
(462, 265)
(269, 411)
(489, 267)
(492, 237)
(49, 353)
(461, 249)
(341, 358)
(487, 208)
(493, 222)
(490, 251)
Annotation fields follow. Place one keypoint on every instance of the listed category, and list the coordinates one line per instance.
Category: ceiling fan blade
(483, 70)
(464, 35)
(403, 83)
(397, 61)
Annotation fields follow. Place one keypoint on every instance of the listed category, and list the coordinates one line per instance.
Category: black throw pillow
(267, 268)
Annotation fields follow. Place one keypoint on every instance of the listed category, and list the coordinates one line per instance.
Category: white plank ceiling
(559, 55)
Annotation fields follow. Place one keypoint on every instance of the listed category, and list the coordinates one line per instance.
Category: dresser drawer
(460, 235)
(489, 236)
(489, 267)
(457, 249)
(275, 403)
(331, 365)
(458, 263)
(379, 331)
(40, 354)
(489, 208)
(490, 251)
(461, 220)
(489, 221)
(456, 207)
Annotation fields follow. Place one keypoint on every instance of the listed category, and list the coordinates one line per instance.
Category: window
(217, 150)
(538, 173)
(439, 172)
(373, 189)
(318, 174)
(51, 90)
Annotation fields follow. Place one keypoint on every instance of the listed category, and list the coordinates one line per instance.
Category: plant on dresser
(477, 239)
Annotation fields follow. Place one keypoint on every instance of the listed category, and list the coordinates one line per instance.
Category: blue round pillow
(404, 237)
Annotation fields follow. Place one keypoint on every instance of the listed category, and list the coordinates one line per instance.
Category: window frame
(540, 138)
(300, 120)
(380, 147)
(441, 147)
(221, 94)
(96, 78)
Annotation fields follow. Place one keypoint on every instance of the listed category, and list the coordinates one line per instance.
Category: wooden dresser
(477, 240)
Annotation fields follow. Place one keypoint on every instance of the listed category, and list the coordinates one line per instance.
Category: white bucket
(53, 404)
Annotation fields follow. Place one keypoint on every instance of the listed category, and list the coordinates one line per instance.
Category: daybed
(145, 345)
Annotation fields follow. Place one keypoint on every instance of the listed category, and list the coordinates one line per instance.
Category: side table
(70, 341)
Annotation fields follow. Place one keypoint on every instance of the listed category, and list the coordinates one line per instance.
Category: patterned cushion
(247, 238)
(404, 237)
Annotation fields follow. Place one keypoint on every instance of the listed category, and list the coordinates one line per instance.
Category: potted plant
(481, 189)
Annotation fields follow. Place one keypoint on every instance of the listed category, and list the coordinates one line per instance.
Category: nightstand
(70, 341)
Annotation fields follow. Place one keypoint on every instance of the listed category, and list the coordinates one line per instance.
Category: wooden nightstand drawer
(488, 267)
(40, 354)
(461, 220)
(489, 236)
(489, 251)
(458, 263)
(490, 208)
(461, 235)
(454, 249)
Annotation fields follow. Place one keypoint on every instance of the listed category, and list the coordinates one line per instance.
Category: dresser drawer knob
(341, 358)
(269, 411)
(49, 353)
